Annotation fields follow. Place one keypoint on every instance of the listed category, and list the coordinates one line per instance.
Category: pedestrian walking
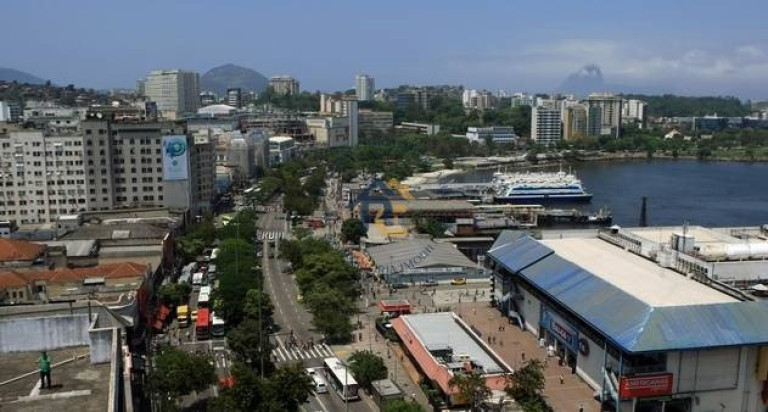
(581, 406)
(522, 355)
(541, 343)
(562, 381)
(44, 366)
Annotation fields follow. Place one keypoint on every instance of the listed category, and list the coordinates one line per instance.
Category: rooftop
(117, 231)
(635, 275)
(77, 384)
(579, 275)
(18, 250)
(664, 234)
(418, 253)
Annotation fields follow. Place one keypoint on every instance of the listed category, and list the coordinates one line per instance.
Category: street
(296, 323)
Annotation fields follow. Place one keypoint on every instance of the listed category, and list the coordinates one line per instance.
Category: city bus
(182, 316)
(204, 300)
(203, 325)
(217, 326)
(340, 379)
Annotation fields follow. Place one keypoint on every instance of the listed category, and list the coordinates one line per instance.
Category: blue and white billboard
(175, 158)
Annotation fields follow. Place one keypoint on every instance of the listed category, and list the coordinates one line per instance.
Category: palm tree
(472, 388)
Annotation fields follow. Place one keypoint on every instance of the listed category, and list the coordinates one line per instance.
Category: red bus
(203, 328)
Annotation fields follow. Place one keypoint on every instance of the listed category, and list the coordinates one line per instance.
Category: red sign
(645, 385)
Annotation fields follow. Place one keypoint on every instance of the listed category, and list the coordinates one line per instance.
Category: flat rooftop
(664, 234)
(77, 384)
(443, 330)
(635, 275)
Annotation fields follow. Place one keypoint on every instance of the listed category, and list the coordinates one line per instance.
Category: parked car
(430, 282)
(459, 281)
(400, 285)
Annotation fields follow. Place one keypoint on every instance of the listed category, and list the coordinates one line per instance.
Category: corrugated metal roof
(507, 236)
(627, 321)
(519, 254)
(418, 253)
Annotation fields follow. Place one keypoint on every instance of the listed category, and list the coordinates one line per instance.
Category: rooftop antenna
(644, 213)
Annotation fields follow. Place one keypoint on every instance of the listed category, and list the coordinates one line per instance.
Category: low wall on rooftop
(43, 333)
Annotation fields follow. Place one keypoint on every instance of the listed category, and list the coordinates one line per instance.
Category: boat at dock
(538, 187)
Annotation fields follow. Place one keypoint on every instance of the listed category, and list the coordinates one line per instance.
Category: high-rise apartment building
(545, 125)
(103, 165)
(477, 99)
(176, 92)
(611, 111)
(284, 85)
(235, 97)
(594, 121)
(574, 122)
(365, 87)
(346, 107)
(41, 177)
(418, 97)
(636, 111)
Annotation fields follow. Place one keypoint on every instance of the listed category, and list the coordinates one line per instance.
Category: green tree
(352, 230)
(248, 393)
(400, 405)
(526, 384)
(258, 304)
(251, 345)
(175, 293)
(472, 388)
(367, 367)
(290, 387)
(176, 373)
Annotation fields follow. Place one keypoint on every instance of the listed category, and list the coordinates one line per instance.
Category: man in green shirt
(44, 364)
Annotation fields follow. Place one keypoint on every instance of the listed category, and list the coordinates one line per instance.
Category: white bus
(204, 300)
(340, 379)
(205, 290)
(197, 279)
(217, 326)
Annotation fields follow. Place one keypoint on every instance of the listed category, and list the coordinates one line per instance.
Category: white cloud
(708, 69)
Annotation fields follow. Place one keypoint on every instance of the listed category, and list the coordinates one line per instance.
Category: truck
(182, 316)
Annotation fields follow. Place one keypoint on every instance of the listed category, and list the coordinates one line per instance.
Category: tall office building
(545, 125)
(365, 87)
(574, 122)
(610, 108)
(594, 121)
(176, 92)
(284, 85)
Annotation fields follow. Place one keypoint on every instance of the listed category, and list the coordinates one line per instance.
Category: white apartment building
(5, 112)
(545, 125)
(365, 87)
(284, 84)
(41, 177)
(347, 108)
(636, 110)
(176, 92)
(477, 100)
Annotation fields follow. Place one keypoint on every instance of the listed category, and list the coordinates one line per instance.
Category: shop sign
(659, 384)
(564, 332)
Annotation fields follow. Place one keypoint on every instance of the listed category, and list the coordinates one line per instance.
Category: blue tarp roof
(625, 320)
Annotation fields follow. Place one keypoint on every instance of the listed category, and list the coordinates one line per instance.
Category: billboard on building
(640, 386)
(175, 158)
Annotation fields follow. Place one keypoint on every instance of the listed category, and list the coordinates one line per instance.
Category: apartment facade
(371, 122)
(41, 177)
(610, 112)
(545, 125)
(175, 92)
(574, 122)
(365, 87)
(104, 166)
(284, 85)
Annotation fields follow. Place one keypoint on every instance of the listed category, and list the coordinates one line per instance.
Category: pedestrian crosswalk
(269, 235)
(295, 353)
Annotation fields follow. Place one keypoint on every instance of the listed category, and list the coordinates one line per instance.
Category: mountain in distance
(11, 75)
(219, 79)
(588, 79)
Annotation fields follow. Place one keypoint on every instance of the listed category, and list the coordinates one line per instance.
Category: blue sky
(679, 46)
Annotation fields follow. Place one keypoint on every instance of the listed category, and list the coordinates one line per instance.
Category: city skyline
(492, 45)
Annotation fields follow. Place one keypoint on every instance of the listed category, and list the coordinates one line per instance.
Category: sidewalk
(400, 368)
(511, 342)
